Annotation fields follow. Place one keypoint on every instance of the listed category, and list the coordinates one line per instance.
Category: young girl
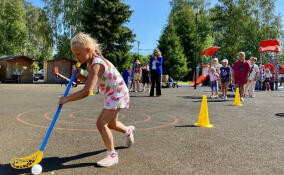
(267, 75)
(226, 77)
(145, 77)
(214, 77)
(241, 69)
(137, 73)
(101, 71)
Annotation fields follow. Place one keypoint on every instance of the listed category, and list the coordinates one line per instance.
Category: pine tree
(183, 18)
(174, 63)
(104, 20)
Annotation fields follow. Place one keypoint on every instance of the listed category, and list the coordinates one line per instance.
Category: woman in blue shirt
(156, 71)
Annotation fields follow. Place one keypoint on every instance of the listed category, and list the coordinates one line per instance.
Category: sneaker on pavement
(242, 99)
(109, 160)
(130, 135)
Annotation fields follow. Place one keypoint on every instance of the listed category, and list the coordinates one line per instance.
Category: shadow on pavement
(280, 114)
(139, 96)
(191, 97)
(185, 126)
(55, 163)
(200, 97)
(214, 101)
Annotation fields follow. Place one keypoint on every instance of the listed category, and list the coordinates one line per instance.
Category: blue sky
(150, 17)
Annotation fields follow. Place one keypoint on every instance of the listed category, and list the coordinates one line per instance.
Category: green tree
(40, 43)
(242, 25)
(65, 17)
(175, 63)
(183, 18)
(13, 33)
(104, 20)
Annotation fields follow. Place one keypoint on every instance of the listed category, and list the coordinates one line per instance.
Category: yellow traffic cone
(203, 120)
(91, 93)
(237, 101)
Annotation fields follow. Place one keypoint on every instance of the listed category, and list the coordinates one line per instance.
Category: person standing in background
(241, 71)
(156, 71)
(145, 76)
(253, 74)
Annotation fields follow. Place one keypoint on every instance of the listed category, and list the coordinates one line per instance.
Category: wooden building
(17, 69)
(64, 66)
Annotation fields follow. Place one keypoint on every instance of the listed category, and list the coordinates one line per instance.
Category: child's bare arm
(96, 71)
(230, 76)
(217, 75)
(82, 78)
(79, 74)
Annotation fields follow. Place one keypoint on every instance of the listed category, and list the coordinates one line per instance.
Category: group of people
(150, 74)
(133, 76)
(243, 74)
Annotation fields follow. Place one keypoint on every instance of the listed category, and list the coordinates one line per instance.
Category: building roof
(7, 58)
(61, 59)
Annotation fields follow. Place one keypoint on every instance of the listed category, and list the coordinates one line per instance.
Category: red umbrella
(265, 43)
(210, 51)
(269, 46)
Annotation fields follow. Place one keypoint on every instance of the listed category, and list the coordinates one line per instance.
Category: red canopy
(210, 51)
(269, 46)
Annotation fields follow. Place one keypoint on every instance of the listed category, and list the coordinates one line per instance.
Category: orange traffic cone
(237, 101)
(203, 120)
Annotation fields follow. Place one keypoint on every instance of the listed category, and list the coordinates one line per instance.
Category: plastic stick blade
(27, 162)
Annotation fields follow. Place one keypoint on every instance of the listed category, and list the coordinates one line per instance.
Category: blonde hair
(159, 53)
(213, 69)
(225, 61)
(253, 58)
(86, 41)
(242, 53)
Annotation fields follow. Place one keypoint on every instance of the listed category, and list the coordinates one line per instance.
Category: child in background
(267, 76)
(125, 76)
(253, 73)
(129, 77)
(101, 71)
(241, 69)
(145, 77)
(214, 77)
(137, 62)
(281, 75)
(137, 73)
(226, 77)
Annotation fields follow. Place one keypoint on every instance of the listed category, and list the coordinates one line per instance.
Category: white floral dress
(113, 87)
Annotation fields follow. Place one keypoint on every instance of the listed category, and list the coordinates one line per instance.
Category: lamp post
(138, 48)
(196, 10)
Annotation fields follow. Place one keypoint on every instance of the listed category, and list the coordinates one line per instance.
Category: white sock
(111, 152)
(127, 132)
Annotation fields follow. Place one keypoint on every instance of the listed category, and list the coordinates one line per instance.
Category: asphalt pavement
(244, 140)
